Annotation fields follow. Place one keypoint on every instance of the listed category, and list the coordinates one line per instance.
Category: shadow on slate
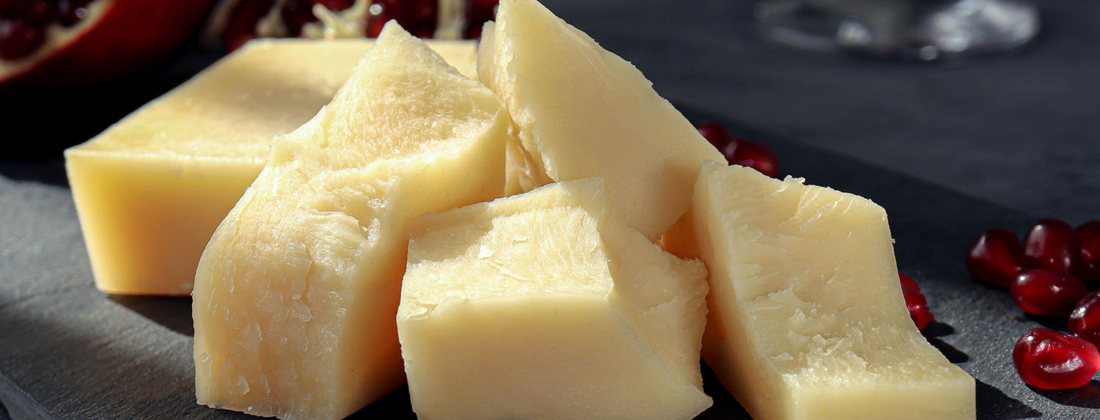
(173, 313)
(79, 354)
(1087, 396)
(49, 171)
(995, 405)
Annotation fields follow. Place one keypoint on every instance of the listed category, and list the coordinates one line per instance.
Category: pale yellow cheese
(295, 295)
(150, 190)
(582, 111)
(545, 305)
(807, 320)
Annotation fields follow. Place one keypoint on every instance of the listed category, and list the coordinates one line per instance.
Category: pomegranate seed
(1044, 292)
(19, 39)
(1052, 244)
(1048, 359)
(755, 155)
(71, 12)
(477, 13)
(918, 307)
(241, 25)
(416, 16)
(1084, 321)
(296, 14)
(1088, 236)
(738, 151)
(715, 133)
(996, 257)
(908, 281)
(336, 5)
(34, 12)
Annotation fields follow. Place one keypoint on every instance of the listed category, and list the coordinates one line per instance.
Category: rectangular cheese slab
(151, 189)
(807, 319)
(545, 305)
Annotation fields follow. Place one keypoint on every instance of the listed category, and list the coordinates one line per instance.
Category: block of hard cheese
(582, 111)
(150, 190)
(296, 293)
(545, 305)
(807, 320)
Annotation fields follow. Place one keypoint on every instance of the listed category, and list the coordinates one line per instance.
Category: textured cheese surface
(807, 319)
(545, 305)
(295, 295)
(151, 189)
(582, 111)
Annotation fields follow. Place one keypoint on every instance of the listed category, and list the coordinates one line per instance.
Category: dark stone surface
(1019, 130)
(947, 149)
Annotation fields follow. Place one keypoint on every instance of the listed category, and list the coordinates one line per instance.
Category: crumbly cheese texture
(545, 305)
(296, 292)
(151, 189)
(582, 111)
(807, 319)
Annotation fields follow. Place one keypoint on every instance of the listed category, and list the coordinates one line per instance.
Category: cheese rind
(150, 190)
(582, 111)
(545, 305)
(807, 319)
(296, 292)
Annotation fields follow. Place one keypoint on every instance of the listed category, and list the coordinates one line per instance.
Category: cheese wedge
(151, 189)
(807, 319)
(545, 305)
(581, 111)
(295, 295)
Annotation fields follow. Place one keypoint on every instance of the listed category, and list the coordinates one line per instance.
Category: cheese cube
(807, 319)
(150, 190)
(545, 305)
(296, 293)
(582, 111)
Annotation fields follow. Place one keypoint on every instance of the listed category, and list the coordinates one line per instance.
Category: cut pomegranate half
(68, 42)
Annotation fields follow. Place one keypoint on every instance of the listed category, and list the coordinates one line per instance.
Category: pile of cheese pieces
(371, 247)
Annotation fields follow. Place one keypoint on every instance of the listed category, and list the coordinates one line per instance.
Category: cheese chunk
(150, 190)
(296, 293)
(807, 319)
(546, 306)
(581, 111)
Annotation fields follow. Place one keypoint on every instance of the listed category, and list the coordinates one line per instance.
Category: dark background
(1013, 135)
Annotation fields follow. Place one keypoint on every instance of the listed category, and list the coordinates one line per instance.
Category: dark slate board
(68, 351)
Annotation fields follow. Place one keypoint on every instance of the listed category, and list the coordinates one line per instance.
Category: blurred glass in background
(923, 30)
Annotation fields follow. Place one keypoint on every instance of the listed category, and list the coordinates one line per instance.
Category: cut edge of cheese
(656, 297)
(792, 338)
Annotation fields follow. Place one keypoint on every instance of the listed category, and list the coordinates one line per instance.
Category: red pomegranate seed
(715, 133)
(1044, 292)
(738, 151)
(755, 155)
(1052, 244)
(1048, 359)
(477, 13)
(416, 16)
(1084, 321)
(241, 25)
(381, 12)
(1088, 236)
(908, 281)
(296, 14)
(34, 12)
(19, 39)
(996, 257)
(71, 12)
(918, 307)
